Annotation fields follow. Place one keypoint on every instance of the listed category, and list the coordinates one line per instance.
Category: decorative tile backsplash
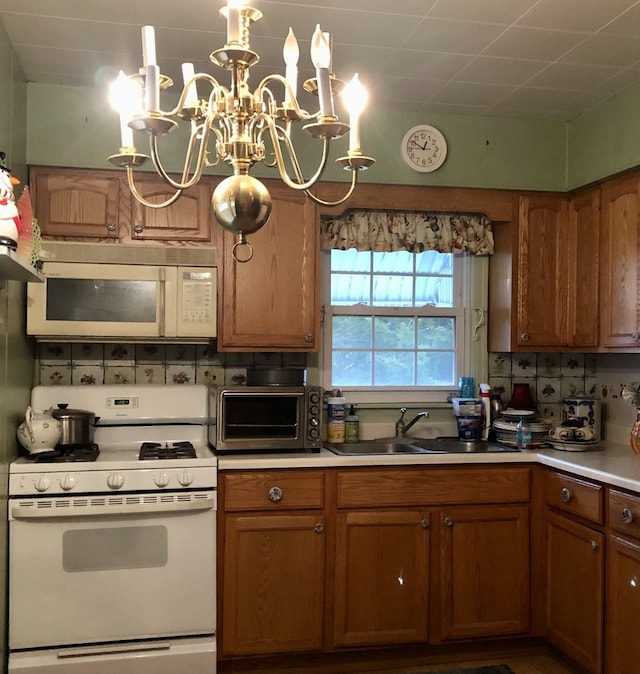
(86, 364)
(551, 377)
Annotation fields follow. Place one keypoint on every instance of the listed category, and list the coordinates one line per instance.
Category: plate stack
(506, 425)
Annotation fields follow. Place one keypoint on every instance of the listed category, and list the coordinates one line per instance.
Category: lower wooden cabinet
(381, 577)
(484, 571)
(574, 591)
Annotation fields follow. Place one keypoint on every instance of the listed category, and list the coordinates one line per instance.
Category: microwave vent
(114, 253)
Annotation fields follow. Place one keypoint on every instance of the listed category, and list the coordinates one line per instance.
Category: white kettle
(39, 432)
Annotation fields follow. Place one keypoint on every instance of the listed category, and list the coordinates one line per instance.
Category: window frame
(463, 279)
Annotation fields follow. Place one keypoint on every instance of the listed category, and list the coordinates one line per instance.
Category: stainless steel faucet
(402, 427)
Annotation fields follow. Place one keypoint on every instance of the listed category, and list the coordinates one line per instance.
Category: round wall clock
(424, 148)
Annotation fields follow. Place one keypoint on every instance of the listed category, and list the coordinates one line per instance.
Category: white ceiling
(549, 59)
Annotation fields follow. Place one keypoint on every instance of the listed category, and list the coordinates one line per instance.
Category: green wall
(16, 353)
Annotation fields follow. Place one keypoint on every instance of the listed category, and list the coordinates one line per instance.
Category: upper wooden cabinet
(544, 277)
(619, 280)
(93, 204)
(271, 302)
(77, 203)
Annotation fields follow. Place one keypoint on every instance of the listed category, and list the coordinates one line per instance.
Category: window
(394, 323)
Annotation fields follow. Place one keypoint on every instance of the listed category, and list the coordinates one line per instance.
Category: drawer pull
(448, 521)
(275, 494)
(627, 516)
(635, 337)
(138, 229)
(111, 227)
(319, 528)
(565, 495)
(593, 545)
(424, 523)
(524, 337)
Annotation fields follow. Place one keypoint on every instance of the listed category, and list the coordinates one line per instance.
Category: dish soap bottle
(523, 434)
(351, 426)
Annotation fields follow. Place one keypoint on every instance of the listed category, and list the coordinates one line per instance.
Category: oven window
(261, 416)
(114, 548)
(101, 300)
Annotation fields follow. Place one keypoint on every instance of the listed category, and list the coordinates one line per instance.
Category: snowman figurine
(9, 218)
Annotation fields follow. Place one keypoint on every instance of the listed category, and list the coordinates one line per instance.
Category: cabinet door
(271, 302)
(620, 262)
(189, 218)
(484, 571)
(75, 203)
(583, 257)
(543, 259)
(273, 589)
(381, 577)
(574, 590)
(622, 645)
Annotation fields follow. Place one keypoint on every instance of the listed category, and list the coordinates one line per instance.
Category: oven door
(109, 568)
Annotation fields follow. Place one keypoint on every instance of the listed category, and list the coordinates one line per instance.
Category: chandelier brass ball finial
(241, 204)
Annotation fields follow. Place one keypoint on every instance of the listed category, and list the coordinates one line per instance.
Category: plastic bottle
(335, 418)
(351, 426)
(523, 434)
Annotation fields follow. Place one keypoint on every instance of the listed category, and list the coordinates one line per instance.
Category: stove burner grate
(150, 451)
(69, 454)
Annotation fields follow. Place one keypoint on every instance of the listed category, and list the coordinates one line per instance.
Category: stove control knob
(42, 483)
(161, 479)
(185, 478)
(115, 480)
(68, 482)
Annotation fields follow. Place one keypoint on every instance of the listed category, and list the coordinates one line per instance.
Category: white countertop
(612, 463)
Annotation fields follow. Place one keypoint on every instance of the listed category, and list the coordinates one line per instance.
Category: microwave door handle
(163, 301)
(27, 512)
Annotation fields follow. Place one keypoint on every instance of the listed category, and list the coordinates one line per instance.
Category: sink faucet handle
(402, 412)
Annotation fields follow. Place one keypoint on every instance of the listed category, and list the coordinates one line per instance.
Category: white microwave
(103, 301)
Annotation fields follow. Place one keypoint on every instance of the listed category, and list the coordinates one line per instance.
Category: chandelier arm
(278, 134)
(291, 98)
(215, 86)
(134, 190)
(322, 202)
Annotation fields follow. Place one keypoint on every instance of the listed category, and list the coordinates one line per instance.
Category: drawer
(432, 486)
(623, 513)
(574, 495)
(273, 490)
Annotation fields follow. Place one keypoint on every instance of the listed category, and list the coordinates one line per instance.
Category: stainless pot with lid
(77, 426)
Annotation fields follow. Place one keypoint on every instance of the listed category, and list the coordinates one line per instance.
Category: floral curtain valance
(414, 232)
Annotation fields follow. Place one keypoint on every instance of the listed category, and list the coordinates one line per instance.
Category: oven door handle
(93, 651)
(79, 511)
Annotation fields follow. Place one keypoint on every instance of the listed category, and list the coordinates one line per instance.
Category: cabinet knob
(635, 336)
(565, 495)
(138, 229)
(593, 545)
(524, 337)
(627, 516)
(319, 528)
(308, 338)
(448, 521)
(424, 523)
(275, 494)
(111, 227)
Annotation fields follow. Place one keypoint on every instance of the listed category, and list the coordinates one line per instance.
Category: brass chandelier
(247, 127)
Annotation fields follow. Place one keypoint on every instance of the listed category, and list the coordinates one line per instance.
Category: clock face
(424, 148)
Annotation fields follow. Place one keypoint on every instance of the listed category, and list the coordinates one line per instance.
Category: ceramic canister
(585, 409)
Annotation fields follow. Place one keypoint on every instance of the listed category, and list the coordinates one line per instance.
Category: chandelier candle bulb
(291, 54)
(148, 46)
(356, 98)
(117, 99)
(152, 88)
(192, 94)
(233, 22)
(321, 57)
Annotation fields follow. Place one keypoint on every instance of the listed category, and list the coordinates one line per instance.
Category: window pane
(399, 262)
(350, 289)
(350, 260)
(352, 332)
(393, 291)
(434, 290)
(437, 333)
(432, 262)
(351, 368)
(436, 369)
(394, 333)
(394, 368)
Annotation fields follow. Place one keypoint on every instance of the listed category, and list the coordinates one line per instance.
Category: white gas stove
(112, 547)
(147, 438)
